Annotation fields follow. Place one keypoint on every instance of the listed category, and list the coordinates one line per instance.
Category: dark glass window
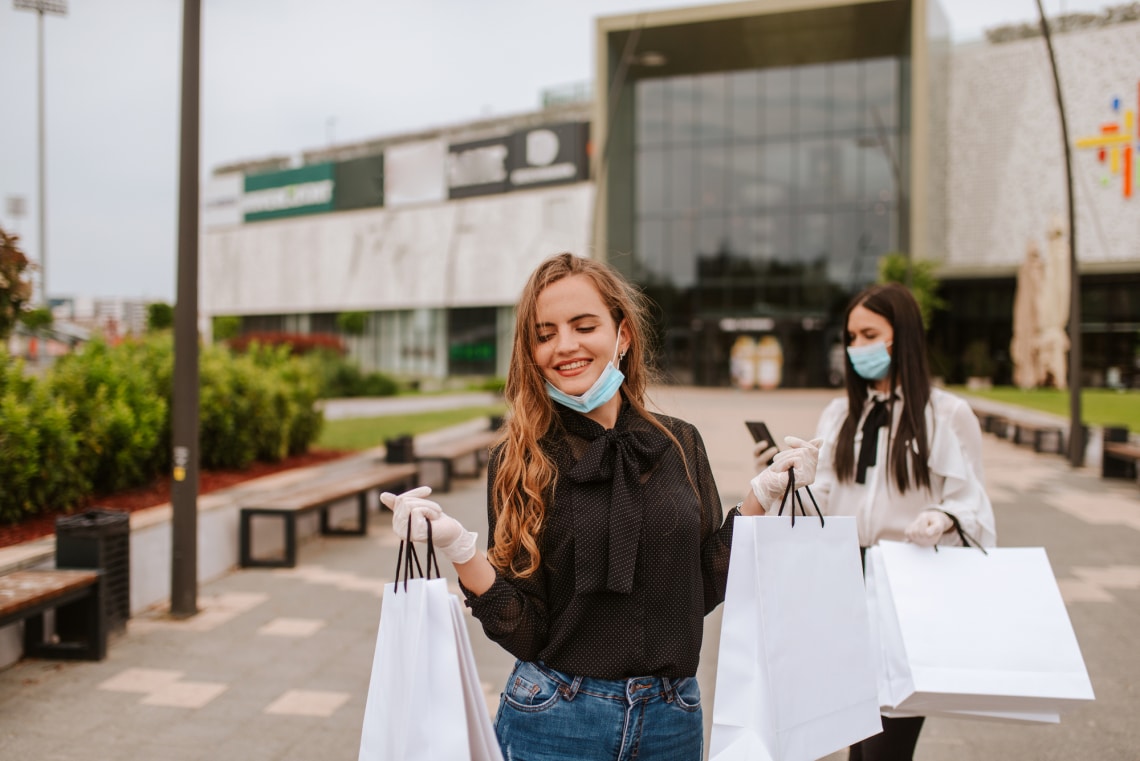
(763, 199)
(471, 341)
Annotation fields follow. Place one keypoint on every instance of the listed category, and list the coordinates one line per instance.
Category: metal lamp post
(1076, 428)
(184, 489)
(59, 8)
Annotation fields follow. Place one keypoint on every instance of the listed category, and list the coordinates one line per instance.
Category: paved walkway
(276, 665)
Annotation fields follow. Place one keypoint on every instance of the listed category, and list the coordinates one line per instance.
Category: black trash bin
(400, 449)
(99, 539)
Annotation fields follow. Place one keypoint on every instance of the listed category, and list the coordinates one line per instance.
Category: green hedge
(99, 420)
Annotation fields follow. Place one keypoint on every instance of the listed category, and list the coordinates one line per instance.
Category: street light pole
(1076, 428)
(58, 7)
(184, 489)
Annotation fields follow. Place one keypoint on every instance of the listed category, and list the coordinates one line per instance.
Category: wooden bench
(447, 457)
(77, 599)
(1118, 459)
(320, 496)
(1040, 431)
(995, 424)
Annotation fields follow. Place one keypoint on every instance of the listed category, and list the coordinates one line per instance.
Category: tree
(226, 327)
(923, 282)
(159, 316)
(15, 287)
(352, 323)
(37, 319)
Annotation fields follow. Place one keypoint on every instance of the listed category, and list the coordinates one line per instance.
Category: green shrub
(352, 323)
(120, 414)
(99, 422)
(225, 327)
(39, 451)
(340, 377)
(256, 406)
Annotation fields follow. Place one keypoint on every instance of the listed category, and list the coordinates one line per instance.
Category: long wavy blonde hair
(526, 476)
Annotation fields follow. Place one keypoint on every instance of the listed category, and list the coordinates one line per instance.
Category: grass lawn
(364, 433)
(1099, 406)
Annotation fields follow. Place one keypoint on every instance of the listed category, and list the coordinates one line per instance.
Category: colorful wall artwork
(1114, 145)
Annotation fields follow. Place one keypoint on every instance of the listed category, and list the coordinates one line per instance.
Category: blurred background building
(747, 165)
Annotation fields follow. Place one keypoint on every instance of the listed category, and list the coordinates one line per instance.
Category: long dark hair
(908, 372)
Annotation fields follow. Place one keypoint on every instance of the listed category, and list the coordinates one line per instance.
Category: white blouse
(881, 511)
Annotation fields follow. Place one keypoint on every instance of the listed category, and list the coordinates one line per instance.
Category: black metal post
(42, 162)
(184, 491)
(1076, 439)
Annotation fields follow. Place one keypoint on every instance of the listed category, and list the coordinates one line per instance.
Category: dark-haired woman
(903, 458)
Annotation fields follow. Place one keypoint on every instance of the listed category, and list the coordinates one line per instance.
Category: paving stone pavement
(276, 664)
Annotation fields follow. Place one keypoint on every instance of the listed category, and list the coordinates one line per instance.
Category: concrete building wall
(471, 252)
(1006, 170)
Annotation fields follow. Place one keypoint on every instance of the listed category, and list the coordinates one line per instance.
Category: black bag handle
(791, 491)
(407, 555)
(967, 540)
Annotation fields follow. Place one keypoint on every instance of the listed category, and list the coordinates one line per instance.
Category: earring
(621, 356)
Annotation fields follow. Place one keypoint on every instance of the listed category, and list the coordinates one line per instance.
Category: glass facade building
(755, 168)
(763, 199)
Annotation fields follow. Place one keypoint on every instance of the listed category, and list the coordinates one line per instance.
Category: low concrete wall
(218, 552)
(218, 523)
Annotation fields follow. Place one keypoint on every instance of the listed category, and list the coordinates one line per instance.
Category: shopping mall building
(747, 165)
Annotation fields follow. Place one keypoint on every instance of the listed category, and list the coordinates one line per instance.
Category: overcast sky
(278, 77)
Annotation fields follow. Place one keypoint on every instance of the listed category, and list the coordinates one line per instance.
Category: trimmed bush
(100, 421)
(39, 451)
(119, 412)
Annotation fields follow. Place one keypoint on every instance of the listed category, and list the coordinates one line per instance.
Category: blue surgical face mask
(596, 395)
(871, 362)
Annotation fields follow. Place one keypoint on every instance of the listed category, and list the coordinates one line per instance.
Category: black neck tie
(879, 416)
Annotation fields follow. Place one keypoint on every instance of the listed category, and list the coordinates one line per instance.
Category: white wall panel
(474, 252)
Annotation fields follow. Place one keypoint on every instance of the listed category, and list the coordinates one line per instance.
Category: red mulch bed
(158, 493)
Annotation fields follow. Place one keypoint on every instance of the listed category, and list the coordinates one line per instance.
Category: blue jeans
(545, 715)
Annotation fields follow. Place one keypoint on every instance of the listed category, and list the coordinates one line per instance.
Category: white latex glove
(448, 536)
(762, 455)
(401, 506)
(769, 484)
(928, 527)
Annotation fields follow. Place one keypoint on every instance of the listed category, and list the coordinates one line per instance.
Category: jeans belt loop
(570, 690)
(668, 691)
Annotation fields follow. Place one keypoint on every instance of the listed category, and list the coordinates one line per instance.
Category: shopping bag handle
(967, 540)
(406, 555)
(791, 490)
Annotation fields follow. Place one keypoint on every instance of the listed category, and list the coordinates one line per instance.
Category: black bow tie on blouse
(879, 416)
(605, 540)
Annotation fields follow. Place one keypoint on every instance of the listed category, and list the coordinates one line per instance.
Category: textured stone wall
(1006, 174)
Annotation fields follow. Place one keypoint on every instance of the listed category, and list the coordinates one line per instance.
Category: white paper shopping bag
(415, 709)
(481, 733)
(795, 675)
(973, 634)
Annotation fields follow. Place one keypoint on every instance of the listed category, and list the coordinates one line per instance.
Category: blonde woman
(608, 543)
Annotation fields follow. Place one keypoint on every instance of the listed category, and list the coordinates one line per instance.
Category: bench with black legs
(461, 456)
(75, 596)
(319, 497)
(1118, 460)
(1040, 433)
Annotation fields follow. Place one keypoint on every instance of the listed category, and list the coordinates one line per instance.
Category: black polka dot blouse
(634, 553)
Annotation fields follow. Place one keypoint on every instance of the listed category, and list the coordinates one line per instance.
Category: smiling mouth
(577, 364)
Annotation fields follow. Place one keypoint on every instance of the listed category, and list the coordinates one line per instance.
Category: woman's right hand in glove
(770, 484)
(447, 534)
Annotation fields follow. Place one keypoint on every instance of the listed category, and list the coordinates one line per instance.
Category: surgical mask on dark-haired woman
(602, 390)
(871, 362)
